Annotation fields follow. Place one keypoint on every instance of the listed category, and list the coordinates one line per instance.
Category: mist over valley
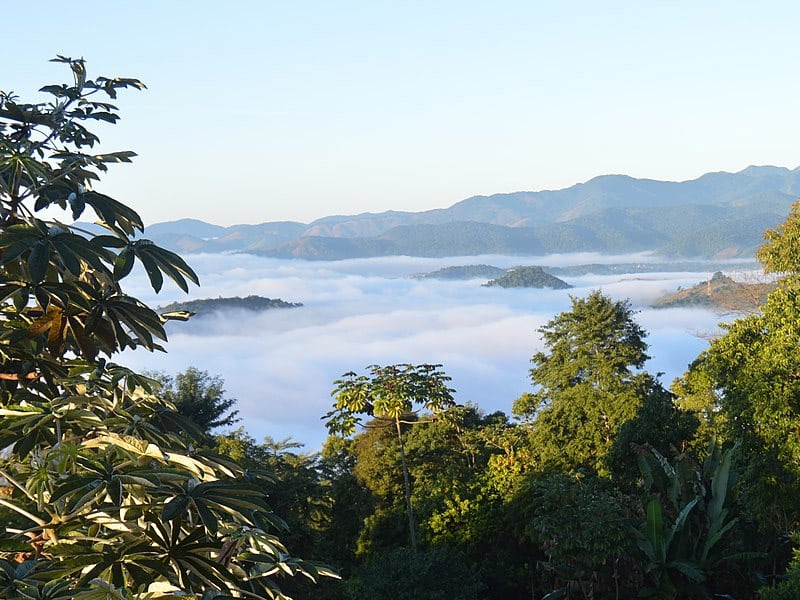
(280, 363)
(402, 287)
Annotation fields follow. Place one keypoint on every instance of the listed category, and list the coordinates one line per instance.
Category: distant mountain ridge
(717, 215)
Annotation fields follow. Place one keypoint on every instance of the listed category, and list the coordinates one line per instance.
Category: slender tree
(389, 395)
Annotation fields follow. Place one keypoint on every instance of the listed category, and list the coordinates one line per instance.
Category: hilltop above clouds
(718, 215)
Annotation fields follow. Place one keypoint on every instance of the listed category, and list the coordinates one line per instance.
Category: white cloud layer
(280, 364)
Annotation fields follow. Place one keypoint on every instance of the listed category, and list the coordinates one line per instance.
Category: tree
(113, 502)
(781, 252)
(588, 385)
(389, 394)
(200, 397)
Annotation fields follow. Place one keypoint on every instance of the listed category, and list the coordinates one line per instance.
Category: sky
(265, 111)
(280, 364)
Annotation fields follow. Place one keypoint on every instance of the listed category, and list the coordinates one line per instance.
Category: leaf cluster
(111, 495)
(388, 392)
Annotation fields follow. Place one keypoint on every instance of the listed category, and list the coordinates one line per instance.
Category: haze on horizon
(267, 111)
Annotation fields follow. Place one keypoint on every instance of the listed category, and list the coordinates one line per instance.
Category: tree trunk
(412, 528)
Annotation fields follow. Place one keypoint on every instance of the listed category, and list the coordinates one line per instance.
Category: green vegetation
(720, 293)
(209, 305)
(607, 487)
(108, 491)
(390, 393)
(530, 277)
(199, 397)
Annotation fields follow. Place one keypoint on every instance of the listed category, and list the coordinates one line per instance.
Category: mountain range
(717, 215)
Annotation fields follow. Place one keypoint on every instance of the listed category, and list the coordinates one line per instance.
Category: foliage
(754, 367)
(438, 573)
(586, 386)
(390, 393)
(781, 252)
(696, 394)
(198, 396)
(689, 524)
(305, 490)
(115, 503)
(464, 469)
(582, 526)
(789, 587)
(658, 423)
(351, 503)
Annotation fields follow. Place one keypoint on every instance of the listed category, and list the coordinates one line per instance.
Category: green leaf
(654, 528)
(152, 270)
(691, 570)
(123, 263)
(39, 261)
(175, 508)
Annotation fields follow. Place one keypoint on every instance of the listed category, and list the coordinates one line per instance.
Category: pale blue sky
(264, 111)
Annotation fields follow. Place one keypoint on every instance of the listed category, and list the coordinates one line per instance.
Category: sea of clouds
(280, 364)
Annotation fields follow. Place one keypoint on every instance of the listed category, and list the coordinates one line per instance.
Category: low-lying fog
(280, 363)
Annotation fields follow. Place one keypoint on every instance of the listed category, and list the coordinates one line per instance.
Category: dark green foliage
(582, 526)
(200, 397)
(754, 367)
(391, 394)
(528, 277)
(788, 587)
(659, 424)
(689, 538)
(781, 252)
(209, 305)
(597, 343)
(438, 573)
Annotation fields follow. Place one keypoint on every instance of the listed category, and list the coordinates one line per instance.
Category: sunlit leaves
(106, 486)
(781, 252)
(388, 392)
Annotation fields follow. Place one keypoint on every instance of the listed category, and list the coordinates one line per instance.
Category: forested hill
(717, 215)
(720, 293)
(205, 306)
(529, 277)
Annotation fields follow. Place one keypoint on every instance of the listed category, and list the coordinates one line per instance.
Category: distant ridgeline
(718, 215)
(720, 293)
(208, 305)
(528, 277)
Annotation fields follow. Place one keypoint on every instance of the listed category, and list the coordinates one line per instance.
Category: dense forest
(601, 484)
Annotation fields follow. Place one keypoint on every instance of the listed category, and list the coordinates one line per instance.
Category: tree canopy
(200, 397)
(588, 384)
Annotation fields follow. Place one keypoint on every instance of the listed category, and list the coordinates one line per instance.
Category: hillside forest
(603, 483)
